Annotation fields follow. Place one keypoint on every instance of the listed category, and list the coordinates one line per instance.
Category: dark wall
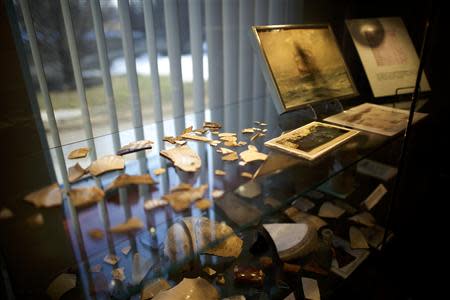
(33, 255)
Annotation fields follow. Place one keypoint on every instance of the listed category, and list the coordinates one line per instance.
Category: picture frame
(379, 119)
(302, 64)
(312, 140)
(387, 54)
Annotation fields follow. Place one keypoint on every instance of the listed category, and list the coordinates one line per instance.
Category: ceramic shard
(304, 204)
(170, 139)
(125, 250)
(151, 289)
(225, 151)
(81, 197)
(182, 199)
(78, 153)
(242, 143)
(221, 280)
(118, 274)
(300, 217)
(96, 268)
(239, 211)
(357, 239)
(236, 297)
(291, 268)
(251, 155)
(125, 179)
(310, 288)
(248, 130)
(61, 285)
(212, 125)
(159, 171)
(36, 220)
(194, 137)
(135, 146)
(203, 204)
(140, 268)
(230, 157)
(181, 187)
(210, 271)
(217, 193)
(153, 204)
(227, 134)
(106, 164)
(257, 135)
(76, 172)
(183, 158)
(214, 143)
(187, 130)
(329, 210)
(251, 189)
(111, 259)
(48, 196)
(220, 172)
(192, 289)
(247, 175)
(265, 261)
(364, 218)
(248, 275)
(96, 233)
(131, 224)
(6, 213)
(292, 240)
(374, 197)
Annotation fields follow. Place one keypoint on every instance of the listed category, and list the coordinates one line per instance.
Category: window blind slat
(246, 19)
(230, 17)
(259, 85)
(174, 51)
(213, 13)
(154, 71)
(196, 40)
(130, 62)
(105, 70)
(74, 58)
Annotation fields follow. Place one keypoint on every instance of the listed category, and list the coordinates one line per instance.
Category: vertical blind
(218, 30)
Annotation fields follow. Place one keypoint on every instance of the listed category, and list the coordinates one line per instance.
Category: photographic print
(312, 140)
(302, 64)
(387, 54)
(379, 119)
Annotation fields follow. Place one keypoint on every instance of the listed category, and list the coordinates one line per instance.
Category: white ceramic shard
(6, 213)
(183, 158)
(251, 189)
(48, 196)
(198, 236)
(159, 171)
(329, 210)
(151, 289)
(248, 130)
(364, 218)
(153, 204)
(76, 172)
(78, 153)
(217, 193)
(106, 164)
(131, 224)
(301, 217)
(357, 239)
(247, 175)
(85, 196)
(61, 285)
(125, 179)
(215, 143)
(135, 146)
(292, 240)
(310, 288)
(192, 289)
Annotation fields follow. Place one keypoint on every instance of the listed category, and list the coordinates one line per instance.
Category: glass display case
(207, 209)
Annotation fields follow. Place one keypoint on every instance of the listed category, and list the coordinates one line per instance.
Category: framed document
(375, 118)
(312, 140)
(387, 54)
(302, 64)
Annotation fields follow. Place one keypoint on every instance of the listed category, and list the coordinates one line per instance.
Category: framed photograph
(374, 118)
(387, 55)
(302, 64)
(312, 140)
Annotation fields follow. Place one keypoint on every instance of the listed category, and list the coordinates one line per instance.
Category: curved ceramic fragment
(183, 158)
(125, 179)
(364, 218)
(329, 210)
(194, 137)
(153, 204)
(301, 217)
(151, 289)
(78, 153)
(76, 172)
(48, 196)
(357, 239)
(212, 125)
(131, 224)
(135, 146)
(106, 164)
(252, 154)
(292, 240)
(192, 289)
(85, 196)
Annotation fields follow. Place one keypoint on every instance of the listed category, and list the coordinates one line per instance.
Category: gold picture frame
(302, 64)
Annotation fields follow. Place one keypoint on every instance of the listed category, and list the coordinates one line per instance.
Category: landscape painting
(305, 64)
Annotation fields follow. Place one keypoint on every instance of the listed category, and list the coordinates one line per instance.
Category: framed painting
(302, 64)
